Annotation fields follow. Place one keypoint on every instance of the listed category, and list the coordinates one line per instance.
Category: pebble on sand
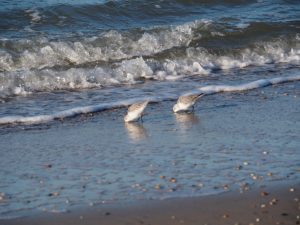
(245, 187)
(158, 187)
(263, 206)
(225, 216)
(172, 189)
(253, 176)
(200, 185)
(173, 180)
(263, 193)
(53, 194)
(136, 185)
(239, 167)
(292, 189)
(48, 165)
(273, 201)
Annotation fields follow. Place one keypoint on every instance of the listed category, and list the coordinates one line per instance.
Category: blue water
(67, 55)
(93, 16)
(53, 46)
(47, 46)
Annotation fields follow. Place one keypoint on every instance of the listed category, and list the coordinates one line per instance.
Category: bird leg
(193, 109)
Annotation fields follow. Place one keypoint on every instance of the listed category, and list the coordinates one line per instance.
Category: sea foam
(212, 89)
(196, 62)
(43, 52)
(115, 57)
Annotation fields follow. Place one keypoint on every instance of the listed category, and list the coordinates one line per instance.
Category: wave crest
(111, 45)
(116, 58)
(195, 61)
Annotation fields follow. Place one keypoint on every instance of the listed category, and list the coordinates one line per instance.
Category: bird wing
(189, 98)
(136, 106)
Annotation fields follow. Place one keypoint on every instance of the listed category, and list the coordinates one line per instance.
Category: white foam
(34, 69)
(217, 33)
(35, 15)
(264, 53)
(28, 81)
(70, 112)
(114, 45)
(20, 91)
(111, 45)
(6, 61)
(211, 89)
(242, 25)
(197, 62)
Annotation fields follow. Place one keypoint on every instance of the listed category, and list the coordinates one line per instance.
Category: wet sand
(233, 141)
(263, 205)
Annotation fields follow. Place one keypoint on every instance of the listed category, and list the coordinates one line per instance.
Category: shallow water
(59, 56)
(233, 139)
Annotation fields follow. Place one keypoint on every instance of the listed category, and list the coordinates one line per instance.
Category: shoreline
(277, 203)
(230, 140)
(70, 72)
(83, 110)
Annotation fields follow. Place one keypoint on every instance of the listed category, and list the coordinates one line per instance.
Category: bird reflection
(136, 131)
(186, 120)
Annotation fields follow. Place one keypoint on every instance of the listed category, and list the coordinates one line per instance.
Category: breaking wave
(196, 62)
(109, 46)
(132, 56)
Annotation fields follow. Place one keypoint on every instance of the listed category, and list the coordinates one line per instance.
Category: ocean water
(57, 55)
(61, 59)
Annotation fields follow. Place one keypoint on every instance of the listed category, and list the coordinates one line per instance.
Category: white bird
(185, 102)
(135, 111)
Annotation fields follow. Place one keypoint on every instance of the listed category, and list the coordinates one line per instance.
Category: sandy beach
(278, 205)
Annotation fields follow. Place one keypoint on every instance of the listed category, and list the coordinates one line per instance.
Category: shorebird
(186, 102)
(135, 111)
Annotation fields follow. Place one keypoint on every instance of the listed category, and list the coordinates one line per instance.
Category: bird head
(126, 118)
(175, 108)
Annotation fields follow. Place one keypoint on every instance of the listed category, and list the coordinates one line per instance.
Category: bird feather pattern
(189, 98)
(136, 106)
